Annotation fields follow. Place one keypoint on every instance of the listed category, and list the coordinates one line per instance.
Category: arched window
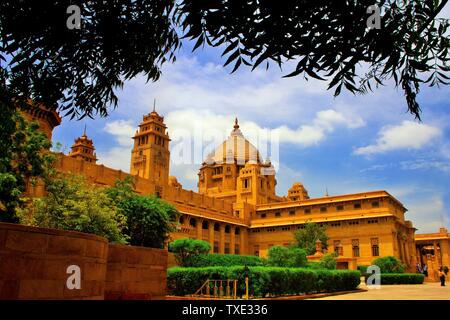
(216, 227)
(193, 222)
(237, 231)
(227, 229)
(205, 225)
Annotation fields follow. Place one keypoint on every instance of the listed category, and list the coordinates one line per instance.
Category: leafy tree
(389, 264)
(80, 69)
(330, 40)
(306, 237)
(328, 261)
(24, 158)
(73, 204)
(280, 256)
(187, 248)
(149, 220)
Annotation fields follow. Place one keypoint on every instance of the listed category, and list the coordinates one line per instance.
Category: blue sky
(343, 145)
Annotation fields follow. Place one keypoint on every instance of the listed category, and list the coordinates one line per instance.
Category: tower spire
(154, 105)
(84, 132)
(236, 125)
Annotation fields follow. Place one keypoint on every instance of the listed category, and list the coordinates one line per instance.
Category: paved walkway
(426, 291)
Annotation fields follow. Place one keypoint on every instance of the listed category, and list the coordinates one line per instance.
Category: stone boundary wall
(136, 273)
(34, 261)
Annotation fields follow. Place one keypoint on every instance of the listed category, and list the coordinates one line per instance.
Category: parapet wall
(37, 264)
(34, 262)
(102, 175)
(136, 273)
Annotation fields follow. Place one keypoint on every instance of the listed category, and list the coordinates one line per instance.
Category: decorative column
(445, 252)
(418, 255)
(211, 235)
(200, 229)
(232, 239)
(436, 258)
(222, 238)
(243, 241)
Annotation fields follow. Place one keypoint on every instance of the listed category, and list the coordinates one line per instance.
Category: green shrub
(264, 280)
(389, 264)
(187, 250)
(314, 265)
(73, 204)
(280, 256)
(149, 220)
(225, 260)
(402, 278)
(363, 269)
(328, 261)
(306, 237)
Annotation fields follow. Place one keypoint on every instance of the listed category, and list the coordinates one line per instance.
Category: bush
(73, 204)
(264, 280)
(307, 236)
(389, 264)
(362, 269)
(186, 250)
(328, 261)
(280, 256)
(314, 265)
(225, 260)
(402, 278)
(149, 220)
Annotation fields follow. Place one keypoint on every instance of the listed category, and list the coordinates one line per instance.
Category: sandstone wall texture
(34, 262)
(135, 273)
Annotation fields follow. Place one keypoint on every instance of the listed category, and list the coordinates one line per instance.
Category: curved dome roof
(235, 149)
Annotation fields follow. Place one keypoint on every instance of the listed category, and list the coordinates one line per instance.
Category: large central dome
(236, 149)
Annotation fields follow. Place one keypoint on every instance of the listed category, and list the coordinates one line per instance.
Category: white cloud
(425, 164)
(407, 135)
(122, 130)
(263, 96)
(119, 157)
(427, 214)
(208, 124)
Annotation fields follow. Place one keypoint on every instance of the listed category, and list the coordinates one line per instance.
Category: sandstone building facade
(236, 208)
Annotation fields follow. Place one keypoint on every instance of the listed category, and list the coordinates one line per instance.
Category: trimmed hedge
(402, 278)
(362, 269)
(225, 260)
(263, 281)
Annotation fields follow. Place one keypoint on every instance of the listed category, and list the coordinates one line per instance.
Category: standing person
(442, 277)
(419, 268)
(425, 270)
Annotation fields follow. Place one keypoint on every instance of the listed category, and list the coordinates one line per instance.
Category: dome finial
(236, 125)
(154, 105)
(84, 132)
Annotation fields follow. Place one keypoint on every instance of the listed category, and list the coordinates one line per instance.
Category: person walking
(442, 277)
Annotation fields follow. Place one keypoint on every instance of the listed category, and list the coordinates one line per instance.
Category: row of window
(144, 140)
(331, 224)
(147, 128)
(374, 244)
(205, 225)
(338, 248)
(323, 209)
(226, 248)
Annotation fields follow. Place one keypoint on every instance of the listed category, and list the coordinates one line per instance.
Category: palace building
(236, 208)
